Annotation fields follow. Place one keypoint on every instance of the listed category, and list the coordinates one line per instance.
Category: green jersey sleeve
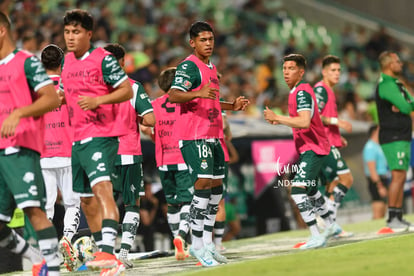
(187, 76)
(112, 72)
(35, 73)
(389, 91)
(304, 101)
(321, 97)
(140, 101)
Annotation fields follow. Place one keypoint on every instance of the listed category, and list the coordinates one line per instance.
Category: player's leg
(184, 194)
(398, 155)
(131, 177)
(309, 164)
(49, 176)
(24, 177)
(97, 158)
(8, 237)
(199, 158)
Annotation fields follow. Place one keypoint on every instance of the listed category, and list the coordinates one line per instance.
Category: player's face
(331, 73)
(292, 73)
(396, 65)
(77, 39)
(203, 45)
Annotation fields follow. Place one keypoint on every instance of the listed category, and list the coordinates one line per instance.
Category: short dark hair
(298, 58)
(371, 129)
(166, 78)
(329, 59)
(79, 17)
(117, 50)
(198, 27)
(5, 21)
(52, 57)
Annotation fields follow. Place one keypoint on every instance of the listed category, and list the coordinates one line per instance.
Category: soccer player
(55, 161)
(94, 84)
(337, 174)
(175, 177)
(129, 161)
(199, 129)
(26, 94)
(394, 105)
(312, 145)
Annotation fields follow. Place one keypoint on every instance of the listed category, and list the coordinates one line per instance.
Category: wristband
(333, 121)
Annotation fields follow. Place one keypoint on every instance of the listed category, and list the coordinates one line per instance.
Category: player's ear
(192, 43)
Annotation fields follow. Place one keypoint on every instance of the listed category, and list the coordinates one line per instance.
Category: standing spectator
(394, 105)
(376, 171)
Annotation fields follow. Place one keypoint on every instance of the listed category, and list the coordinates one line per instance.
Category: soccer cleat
(409, 224)
(102, 260)
(127, 263)
(397, 226)
(204, 256)
(332, 230)
(314, 242)
(179, 250)
(216, 255)
(117, 270)
(220, 248)
(68, 253)
(344, 234)
(40, 269)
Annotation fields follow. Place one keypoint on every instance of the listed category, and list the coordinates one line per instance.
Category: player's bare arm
(239, 104)
(47, 101)
(178, 96)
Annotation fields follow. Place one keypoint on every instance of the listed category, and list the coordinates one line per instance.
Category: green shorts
(307, 169)
(21, 182)
(205, 158)
(130, 182)
(334, 165)
(398, 154)
(231, 214)
(177, 185)
(93, 161)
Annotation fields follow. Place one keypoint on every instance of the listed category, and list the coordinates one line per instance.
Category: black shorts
(373, 190)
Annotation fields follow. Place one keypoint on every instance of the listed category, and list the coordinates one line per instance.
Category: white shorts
(60, 178)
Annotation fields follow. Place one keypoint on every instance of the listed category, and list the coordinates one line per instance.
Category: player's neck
(205, 59)
(6, 49)
(328, 83)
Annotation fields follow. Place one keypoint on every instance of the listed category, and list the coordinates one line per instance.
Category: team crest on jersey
(204, 164)
(187, 84)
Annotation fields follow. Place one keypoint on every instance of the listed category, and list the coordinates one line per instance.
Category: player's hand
(208, 92)
(270, 116)
(344, 141)
(347, 126)
(395, 109)
(240, 103)
(382, 191)
(88, 103)
(9, 125)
